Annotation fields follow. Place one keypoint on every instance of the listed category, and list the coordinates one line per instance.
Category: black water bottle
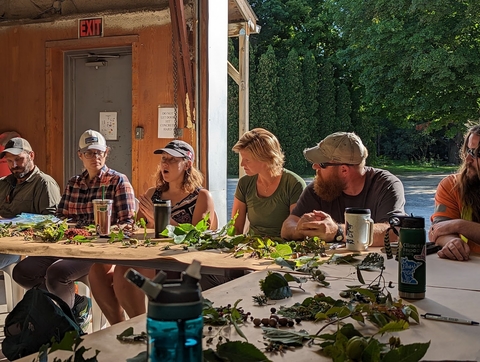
(412, 268)
(162, 211)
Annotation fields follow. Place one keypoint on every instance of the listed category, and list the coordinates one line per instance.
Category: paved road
(419, 194)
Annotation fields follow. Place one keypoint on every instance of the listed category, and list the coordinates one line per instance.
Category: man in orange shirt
(456, 219)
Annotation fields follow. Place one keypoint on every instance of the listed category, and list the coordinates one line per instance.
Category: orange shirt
(448, 205)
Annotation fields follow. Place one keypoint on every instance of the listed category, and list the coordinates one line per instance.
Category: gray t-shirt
(382, 193)
(267, 214)
(38, 194)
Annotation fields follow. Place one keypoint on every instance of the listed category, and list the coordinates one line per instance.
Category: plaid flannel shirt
(76, 202)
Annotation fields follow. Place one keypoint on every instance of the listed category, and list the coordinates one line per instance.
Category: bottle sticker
(408, 268)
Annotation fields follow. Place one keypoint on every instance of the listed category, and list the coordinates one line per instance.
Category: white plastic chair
(13, 292)
(98, 319)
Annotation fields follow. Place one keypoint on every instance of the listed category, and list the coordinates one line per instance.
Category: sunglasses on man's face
(326, 164)
(474, 152)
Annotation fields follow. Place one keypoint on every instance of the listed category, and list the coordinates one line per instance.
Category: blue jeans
(7, 259)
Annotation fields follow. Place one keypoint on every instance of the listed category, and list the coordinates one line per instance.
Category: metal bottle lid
(413, 222)
(165, 203)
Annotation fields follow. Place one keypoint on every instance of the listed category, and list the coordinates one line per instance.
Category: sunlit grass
(401, 167)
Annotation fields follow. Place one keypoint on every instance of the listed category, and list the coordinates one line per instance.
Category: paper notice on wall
(166, 122)
(108, 125)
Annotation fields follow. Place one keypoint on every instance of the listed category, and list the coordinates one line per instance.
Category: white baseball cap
(92, 140)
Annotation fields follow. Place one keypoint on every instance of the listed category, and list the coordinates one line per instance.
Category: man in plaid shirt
(58, 276)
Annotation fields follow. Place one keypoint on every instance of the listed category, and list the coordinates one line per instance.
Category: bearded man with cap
(26, 189)
(343, 180)
(97, 181)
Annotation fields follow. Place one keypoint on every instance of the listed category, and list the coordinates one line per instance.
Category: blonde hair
(264, 147)
(192, 179)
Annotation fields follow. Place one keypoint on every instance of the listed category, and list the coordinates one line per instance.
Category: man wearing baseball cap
(342, 180)
(26, 189)
(97, 181)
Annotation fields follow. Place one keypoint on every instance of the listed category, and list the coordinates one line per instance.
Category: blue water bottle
(174, 317)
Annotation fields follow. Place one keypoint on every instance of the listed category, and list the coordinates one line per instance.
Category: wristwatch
(339, 235)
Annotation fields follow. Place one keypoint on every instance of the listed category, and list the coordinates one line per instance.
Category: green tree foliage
(327, 93)
(232, 114)
(344, 108)
(292, 132)
(264, 93)
(416, 60)
(294, 24)
(403, 75)
(310, 98)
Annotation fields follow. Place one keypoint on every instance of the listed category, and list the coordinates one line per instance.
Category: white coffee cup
(358, 229)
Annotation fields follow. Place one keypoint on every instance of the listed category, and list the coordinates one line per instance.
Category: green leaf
(366, 292)
(67, 342)
(412, 312)
(373, 261)
(285, 263)
(372, 352)
(240, 351)
(127, 332)
(359, 276)
(81, 239)
(394, 326)
(286, 337)
(291, 278)
(209, 355)
(275, 286)
(407, 353)
(233, 319)
(281, 250)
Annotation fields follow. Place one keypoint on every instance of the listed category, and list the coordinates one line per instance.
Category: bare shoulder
(204, 194)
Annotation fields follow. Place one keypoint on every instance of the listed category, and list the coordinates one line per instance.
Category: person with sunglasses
(456, 218)
(26, 189)
(97, 181)
(343, 180)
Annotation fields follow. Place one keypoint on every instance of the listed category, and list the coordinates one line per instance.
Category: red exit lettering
(90, 27)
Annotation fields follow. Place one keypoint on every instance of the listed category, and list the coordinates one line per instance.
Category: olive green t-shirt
(38, 194)
(267, 214)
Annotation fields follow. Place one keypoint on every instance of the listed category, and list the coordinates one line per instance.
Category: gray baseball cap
(16, 146)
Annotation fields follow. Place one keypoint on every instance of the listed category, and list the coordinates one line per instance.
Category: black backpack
(35, 320)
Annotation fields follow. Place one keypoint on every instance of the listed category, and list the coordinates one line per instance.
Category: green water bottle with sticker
(412, 252)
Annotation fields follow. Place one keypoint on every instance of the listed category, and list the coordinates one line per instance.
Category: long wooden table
(452, 290)
(100, 250)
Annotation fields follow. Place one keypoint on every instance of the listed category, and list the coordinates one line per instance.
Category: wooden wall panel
(31, 94)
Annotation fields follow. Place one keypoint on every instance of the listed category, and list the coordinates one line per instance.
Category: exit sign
(90, 27)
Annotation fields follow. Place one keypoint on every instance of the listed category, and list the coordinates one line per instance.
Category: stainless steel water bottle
(174, 317)
(412, 267)
(162, 211)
